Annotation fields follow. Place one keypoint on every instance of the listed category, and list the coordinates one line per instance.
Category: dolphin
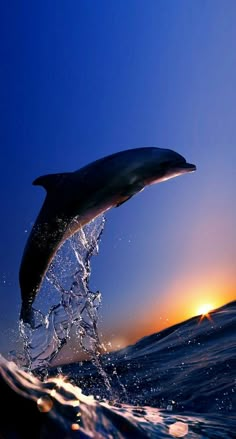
(73, 199)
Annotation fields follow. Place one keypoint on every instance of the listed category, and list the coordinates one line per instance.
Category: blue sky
(83, 79)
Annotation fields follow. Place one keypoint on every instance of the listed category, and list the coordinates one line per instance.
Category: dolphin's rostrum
(75, 198)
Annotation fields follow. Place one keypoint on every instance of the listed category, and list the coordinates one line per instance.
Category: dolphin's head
(162, 164)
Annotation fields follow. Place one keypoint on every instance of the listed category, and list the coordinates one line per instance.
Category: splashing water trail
(70, 303)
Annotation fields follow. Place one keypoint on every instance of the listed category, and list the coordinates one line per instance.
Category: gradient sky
(83, 79)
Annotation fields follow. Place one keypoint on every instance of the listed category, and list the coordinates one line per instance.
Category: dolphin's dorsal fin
(49, 181)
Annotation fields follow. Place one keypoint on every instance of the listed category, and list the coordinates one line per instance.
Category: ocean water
(187, 367)
(186, 373)
(56, 408)
(180, 382)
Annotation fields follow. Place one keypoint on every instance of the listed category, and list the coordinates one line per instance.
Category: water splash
(66, 301)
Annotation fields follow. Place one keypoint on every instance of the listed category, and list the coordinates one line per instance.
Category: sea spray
(66, 301)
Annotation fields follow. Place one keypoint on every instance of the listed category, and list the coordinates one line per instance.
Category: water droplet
(74, 427)
(45, 404)
(178, 429)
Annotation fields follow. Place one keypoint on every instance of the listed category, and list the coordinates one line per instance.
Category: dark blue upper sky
(83, 79)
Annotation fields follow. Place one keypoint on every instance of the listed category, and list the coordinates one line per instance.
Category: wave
(58, 409)
(187, 367)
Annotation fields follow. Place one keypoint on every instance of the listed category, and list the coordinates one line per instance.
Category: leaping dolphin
(75, 198)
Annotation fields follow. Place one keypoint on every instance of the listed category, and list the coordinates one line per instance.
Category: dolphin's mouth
(187, 167)
(184, 167)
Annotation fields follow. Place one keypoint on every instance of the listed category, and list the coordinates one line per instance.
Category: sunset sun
(204, 309)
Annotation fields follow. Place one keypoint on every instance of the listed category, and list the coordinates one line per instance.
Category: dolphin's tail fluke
(27, 314)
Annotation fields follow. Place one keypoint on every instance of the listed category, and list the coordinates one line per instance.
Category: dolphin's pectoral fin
(133, 190)
(49, 181)
(123, 201)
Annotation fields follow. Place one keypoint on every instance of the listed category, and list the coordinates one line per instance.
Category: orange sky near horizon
(177, 311)
(162, 319)
(178, 305)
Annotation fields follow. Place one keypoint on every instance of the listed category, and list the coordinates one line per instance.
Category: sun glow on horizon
(205, 309)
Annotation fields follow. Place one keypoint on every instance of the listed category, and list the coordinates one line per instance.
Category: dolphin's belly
(48, 235)
(83, 218)
(45, 240)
